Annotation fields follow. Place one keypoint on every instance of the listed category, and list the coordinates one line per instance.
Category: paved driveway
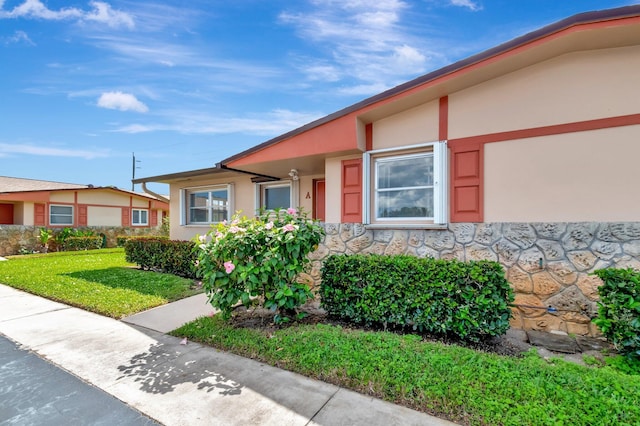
(35, 392)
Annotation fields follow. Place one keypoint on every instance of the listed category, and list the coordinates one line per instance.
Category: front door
(318, 199)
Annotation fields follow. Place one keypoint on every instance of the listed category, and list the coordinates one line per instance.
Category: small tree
(44, 236)
(262, 257)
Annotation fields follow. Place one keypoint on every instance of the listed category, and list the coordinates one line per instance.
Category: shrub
(467, 300)
(83, 243)
(261, 257)
(163, 255)
(62, 236)
(619, 309)
(122, 239)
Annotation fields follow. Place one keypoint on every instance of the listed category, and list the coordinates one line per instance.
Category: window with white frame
(406, 185)
(60, 215)
(275, 195)
(207, 205)
(139, 217)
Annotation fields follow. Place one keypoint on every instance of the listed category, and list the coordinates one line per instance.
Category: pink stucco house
(526, 154)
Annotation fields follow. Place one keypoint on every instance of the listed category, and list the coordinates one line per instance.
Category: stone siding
(13, 238)
(548, 264)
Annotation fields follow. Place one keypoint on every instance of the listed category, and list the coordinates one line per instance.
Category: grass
(460, 384)
(100, 281)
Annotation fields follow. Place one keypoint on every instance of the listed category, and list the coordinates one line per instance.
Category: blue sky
(184, 84)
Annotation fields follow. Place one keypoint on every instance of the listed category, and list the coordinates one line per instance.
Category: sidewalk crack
(323, 405)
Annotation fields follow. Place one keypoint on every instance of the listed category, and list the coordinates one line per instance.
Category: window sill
(435, 226)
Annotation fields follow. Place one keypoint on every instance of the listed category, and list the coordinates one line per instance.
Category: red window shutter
(467, 164)
(352, 191)
(154, 218)
(82, 215)
(39, 215)
(6, 214)
(126, 216)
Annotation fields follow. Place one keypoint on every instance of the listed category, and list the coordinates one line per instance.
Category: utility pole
(133, 169)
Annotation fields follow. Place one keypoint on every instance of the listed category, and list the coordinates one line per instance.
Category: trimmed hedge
(470, 301)
(122, 239)
(160, 254)
(619, 309)
(82, 243)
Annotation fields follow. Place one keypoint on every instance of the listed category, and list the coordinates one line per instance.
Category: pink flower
(229, 267)
(197, 263)
(291, 211)
(202, 238)
(269, 225)
(219, 234)
(288, 227)
(234, 229)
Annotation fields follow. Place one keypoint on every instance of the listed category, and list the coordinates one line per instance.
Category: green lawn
(466, 386)
(100, 281)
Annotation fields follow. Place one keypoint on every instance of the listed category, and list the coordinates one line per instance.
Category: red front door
(318, 199)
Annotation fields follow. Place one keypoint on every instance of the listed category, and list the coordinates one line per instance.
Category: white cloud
(121, 101)
(18, 37)
(100, 12)
(362, 40)
(272, 123)
(467, 3)
(9, 149)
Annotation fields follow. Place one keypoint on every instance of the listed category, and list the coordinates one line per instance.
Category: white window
(139, 217)
(275, 195)
(406, 185)
(207, 205)
(61, 215)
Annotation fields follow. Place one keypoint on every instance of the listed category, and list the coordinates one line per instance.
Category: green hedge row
(619, 309)
(122, 239)
(470, 301)
(161, 254)
(82, 243)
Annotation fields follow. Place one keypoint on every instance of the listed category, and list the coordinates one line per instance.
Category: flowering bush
(262, 257)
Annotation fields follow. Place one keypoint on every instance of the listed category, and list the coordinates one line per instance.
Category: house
(41, 203)
(526, 154)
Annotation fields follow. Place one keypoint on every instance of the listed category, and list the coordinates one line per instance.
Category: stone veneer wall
(16, 237)
(548, 264)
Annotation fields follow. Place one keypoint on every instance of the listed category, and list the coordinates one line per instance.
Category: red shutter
(467, 163)
(352, 191)
(154, 218)
(126, 216)
(39, 215)
(6, 214)
(82, 215)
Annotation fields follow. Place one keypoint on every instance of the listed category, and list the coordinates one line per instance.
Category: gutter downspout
(150, 192)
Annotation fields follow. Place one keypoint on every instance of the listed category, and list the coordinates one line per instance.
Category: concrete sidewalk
(177, 384)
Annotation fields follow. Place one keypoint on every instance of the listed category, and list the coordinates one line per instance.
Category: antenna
(133, 169)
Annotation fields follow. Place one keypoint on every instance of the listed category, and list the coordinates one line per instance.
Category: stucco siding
(140, 203)
(575, 177)
(104, 216)
(333, 185)
(104, 198)
(410, 127)
(574, 87)
(27, 214)
(62, 197)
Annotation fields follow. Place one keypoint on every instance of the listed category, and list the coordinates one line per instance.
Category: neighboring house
(526, 153)
(57, 205)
